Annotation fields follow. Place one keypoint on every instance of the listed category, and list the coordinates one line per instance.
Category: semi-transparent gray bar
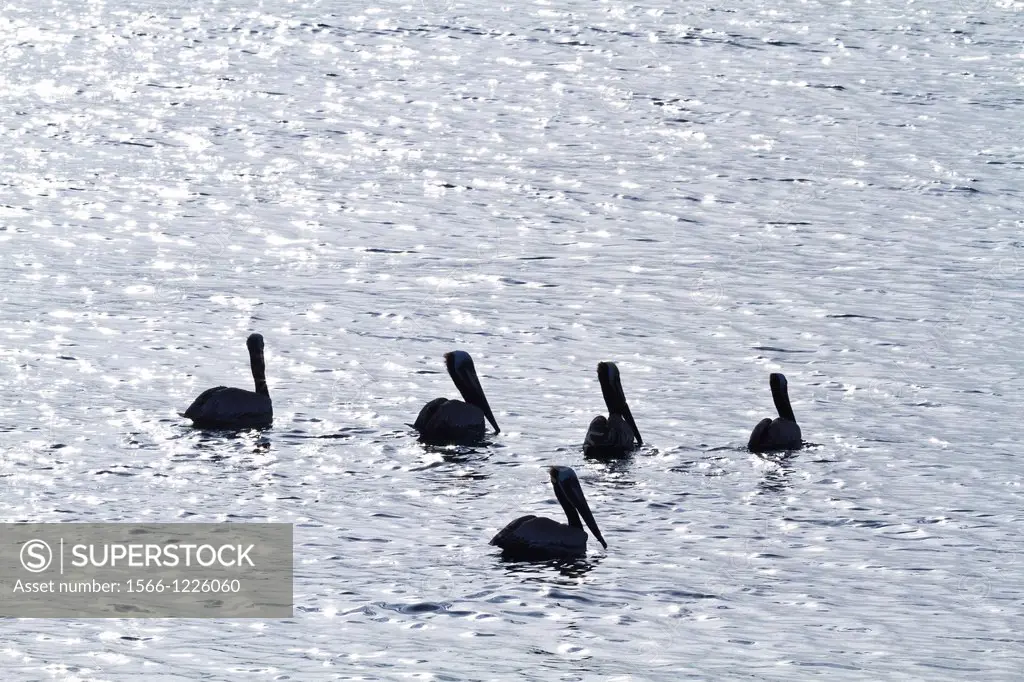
(146, 570)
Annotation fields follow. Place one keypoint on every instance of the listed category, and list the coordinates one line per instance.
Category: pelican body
(615, 435)
(235, 408)
(532, 538)
(782, 433)
(453, 422)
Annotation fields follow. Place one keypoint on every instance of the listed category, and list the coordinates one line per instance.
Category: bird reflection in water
(776, 478)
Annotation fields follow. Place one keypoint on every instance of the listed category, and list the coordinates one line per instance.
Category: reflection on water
(568, 573)
(775, 478)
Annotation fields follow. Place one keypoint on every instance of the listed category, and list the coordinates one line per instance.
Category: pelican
(236, 408)
(611, 436)
(533, 538)
(782, 433)
(447, 422)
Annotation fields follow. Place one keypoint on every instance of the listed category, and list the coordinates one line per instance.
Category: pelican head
(256, 362)
(780, 394)
(614, 398)
(463, 374)
(570, 495)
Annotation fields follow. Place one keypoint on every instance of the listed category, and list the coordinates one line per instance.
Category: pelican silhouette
(453, 422)
(782, 433)
(611, 436)
(236, 408)
(533, 538)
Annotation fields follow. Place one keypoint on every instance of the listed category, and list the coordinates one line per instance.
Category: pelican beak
(614, 397)
(570, 485)
(632, 424)
(463, 374)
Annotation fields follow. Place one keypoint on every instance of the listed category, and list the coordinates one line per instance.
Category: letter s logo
(36, 556)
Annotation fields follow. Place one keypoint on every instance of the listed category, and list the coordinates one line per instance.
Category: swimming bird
(453, 422)
(533, 538)
(611, 436)
(236, 408)
(782, 433)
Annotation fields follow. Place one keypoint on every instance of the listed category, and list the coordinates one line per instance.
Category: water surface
(702, 194)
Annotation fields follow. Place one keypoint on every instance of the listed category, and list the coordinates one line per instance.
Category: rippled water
(704, 194)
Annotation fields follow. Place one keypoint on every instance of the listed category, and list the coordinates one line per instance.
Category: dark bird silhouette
(612, 436)
(782, 433)
(236, 408)
(532, 538)
(453, 422)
